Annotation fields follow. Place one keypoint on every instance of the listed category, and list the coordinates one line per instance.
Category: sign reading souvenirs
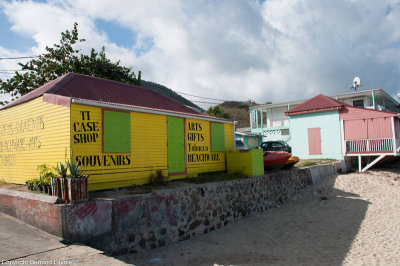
(198, 143)
(85, 132)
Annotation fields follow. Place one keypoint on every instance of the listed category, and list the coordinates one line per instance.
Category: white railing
(369, 145)
(397, 144)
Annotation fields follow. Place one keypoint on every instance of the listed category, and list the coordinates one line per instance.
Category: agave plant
(61, 169)
(74, 169)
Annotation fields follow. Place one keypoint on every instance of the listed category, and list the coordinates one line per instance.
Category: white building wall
(276, 117)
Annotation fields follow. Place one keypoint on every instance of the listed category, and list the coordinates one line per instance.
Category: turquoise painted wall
(330, 134)
(245, 140)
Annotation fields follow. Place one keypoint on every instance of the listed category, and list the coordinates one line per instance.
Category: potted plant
(59, 183)
(70, 188)
(45, 174)
(77, 183)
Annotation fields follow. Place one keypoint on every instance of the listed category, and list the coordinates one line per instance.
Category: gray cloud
(278, 50)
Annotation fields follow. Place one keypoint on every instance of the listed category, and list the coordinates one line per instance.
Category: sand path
(350, 219)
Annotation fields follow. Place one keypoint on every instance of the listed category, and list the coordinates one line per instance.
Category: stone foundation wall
(150, 221)
(133, 223)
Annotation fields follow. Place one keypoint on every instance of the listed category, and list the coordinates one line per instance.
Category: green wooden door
(176, 145)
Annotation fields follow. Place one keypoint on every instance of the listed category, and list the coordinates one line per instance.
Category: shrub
(45, 174)
(157, 179)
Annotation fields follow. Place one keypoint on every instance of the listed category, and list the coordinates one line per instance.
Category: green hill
(239, 111)
(168, 93)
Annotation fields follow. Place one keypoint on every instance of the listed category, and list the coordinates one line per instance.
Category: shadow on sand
(316, 228)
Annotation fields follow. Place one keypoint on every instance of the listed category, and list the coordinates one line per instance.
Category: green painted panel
(116, 131)
(176, 145)
(257, 162)
(217, 137)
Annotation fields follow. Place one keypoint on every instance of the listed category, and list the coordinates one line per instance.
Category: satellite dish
(398, 95)
(356, 83)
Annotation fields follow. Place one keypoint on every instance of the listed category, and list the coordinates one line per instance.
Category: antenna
(356, 83)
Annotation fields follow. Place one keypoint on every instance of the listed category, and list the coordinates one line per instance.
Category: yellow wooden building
(119, 133)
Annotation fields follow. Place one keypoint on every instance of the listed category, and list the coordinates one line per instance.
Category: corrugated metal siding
(368, 128)
(352, 113)
(355, 129)
(380, 128)
(31, 134)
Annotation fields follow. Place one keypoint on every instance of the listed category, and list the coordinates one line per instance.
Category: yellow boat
(291, 161)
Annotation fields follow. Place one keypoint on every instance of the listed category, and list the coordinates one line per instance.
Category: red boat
(275, 159)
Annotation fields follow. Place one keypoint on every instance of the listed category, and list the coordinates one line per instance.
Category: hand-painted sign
(87, 141)
(85, 130)
(19, 136)
(198, 143)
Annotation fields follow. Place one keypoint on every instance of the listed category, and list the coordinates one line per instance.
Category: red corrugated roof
(318, 103)
(102, 90)
(33, 94)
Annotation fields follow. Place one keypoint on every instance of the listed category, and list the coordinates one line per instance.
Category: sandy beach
(348, 219)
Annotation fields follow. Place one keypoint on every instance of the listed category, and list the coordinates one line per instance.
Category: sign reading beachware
(198, 143)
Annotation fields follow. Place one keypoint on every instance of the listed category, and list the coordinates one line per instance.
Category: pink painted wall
(374, 128)
(355, 113)
(355, 129)
(360, 123)
(380, 128)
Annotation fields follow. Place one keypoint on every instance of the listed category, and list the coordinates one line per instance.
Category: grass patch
(311, 162)
(216, 177)
(307, 163)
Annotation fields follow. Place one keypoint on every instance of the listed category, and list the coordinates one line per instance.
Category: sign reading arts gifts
(198, 139)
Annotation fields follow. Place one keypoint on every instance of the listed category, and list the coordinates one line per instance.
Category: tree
(217, 111)
(61, 59)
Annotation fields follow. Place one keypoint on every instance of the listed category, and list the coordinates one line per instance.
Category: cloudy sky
(274, 50)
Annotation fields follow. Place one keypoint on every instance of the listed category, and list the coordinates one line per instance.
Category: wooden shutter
(314, 141)
(116, 132)
(217, 137)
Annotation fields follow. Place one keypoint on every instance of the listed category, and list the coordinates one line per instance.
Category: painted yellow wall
(36, 132)
(199, 156)
(148, 149)
(229, 137)
(247, 162)
(31, 134)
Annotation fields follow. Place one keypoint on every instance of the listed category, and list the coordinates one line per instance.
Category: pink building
(326, 128)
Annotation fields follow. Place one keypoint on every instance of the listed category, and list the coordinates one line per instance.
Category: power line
(19, 57)
(13, 70)
(4, 72)
(203, 102)
(201, 96)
